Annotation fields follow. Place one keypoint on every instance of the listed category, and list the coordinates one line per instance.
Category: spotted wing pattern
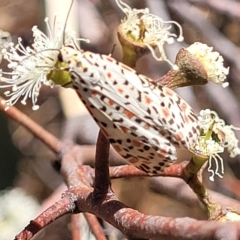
(143, 121)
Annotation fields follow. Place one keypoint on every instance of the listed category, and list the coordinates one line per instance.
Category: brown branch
(76, 234)
(143, 226)
(136, 225)
(74, 174)
(139, 226)
(80, 198)
(175, 170)
(59, 209)
(52, 142)
(95, 226)
(188, 172)
(126, 171)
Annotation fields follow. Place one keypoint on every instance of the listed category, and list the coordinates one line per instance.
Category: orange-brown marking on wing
(136, 143)
(109, 59)
(117, 148)
(183, 106)
(128, 114)
(94, 93)
(110, 102)
(161, 153)
(169, 92)
(124, 129)
(148, 100)
(133, 160)
(120, 90)
(109, 75)
(165, 112)
(179, 136)
(146, 126)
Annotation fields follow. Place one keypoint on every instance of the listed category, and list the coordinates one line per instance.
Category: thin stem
(214, 209)
(102, 180)
(193, 167)
(95, 226)
(175, 170)
(190, 175)
(76, 234)
(52, 142)
(59, 209)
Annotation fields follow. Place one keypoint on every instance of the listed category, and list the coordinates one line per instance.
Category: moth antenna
(65, 24)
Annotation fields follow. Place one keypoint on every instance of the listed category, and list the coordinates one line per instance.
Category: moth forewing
(139, 94)
(144, 122)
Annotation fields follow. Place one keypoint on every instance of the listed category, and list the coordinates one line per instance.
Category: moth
(144, 121)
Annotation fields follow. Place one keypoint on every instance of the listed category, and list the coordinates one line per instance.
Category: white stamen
(216, 136)
(212, 62)
(30, 66)
(141, 26)
(214, 172)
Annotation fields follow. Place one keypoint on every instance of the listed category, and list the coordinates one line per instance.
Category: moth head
(60, 73)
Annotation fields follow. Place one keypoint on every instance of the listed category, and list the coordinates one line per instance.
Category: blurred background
(24, 160)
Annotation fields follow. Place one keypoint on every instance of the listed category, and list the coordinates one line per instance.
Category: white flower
(212, 62)
(145, 28)
(31, 66)
(16, 210)
(214, 138)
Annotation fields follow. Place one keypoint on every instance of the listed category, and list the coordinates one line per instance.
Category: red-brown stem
(59, 209)
(52, 142)
(132, 223)
(175, 170)
(74, 174)
(95, 226)
(102, 180)
(136, 225)
(75, 229)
